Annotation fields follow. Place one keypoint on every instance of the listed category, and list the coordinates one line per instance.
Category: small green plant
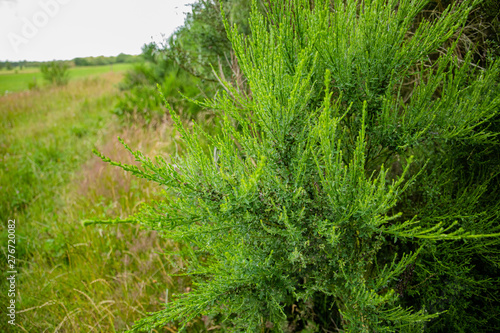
(334, 193)
(55, 72)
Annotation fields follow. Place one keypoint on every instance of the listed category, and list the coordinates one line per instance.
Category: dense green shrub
(145, 102)
(140, 87)
(55, 72)
(356, 188)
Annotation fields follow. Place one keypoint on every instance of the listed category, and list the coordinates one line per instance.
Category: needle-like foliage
(333, 189)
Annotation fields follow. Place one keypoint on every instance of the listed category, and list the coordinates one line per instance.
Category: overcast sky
(64, 29)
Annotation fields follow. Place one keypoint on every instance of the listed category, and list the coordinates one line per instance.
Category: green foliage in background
(201, 45)
(141, 98)
(55, 72)
(85, 61)
(50, 181)
(480, 34)
(102, 60)
(355, 188)
(186, 65)
(32, 78)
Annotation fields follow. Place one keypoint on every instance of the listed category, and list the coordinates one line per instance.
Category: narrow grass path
(72, 278)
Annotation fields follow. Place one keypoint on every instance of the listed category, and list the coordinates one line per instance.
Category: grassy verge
(73, 278)
(17, 80)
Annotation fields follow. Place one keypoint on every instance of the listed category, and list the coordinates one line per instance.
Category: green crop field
(20, 79)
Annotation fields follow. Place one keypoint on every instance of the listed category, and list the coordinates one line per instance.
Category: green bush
(141, 96)
(55, 72)
(356, 188)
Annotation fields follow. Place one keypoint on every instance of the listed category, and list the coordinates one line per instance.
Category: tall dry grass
(74, 278)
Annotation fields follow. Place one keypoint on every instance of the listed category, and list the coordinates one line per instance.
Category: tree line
(80, 61)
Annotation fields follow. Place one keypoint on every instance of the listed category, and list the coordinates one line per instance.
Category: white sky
(65, 29)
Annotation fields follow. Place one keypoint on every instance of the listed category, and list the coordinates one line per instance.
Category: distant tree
(81, 61)
(121, 58)
(124, 58)
(55, 72)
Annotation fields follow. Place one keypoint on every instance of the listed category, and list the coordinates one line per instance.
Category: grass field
(73, 278)
(17, 80)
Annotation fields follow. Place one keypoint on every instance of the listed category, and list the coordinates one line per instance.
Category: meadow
(73, 278)
(17, 79)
